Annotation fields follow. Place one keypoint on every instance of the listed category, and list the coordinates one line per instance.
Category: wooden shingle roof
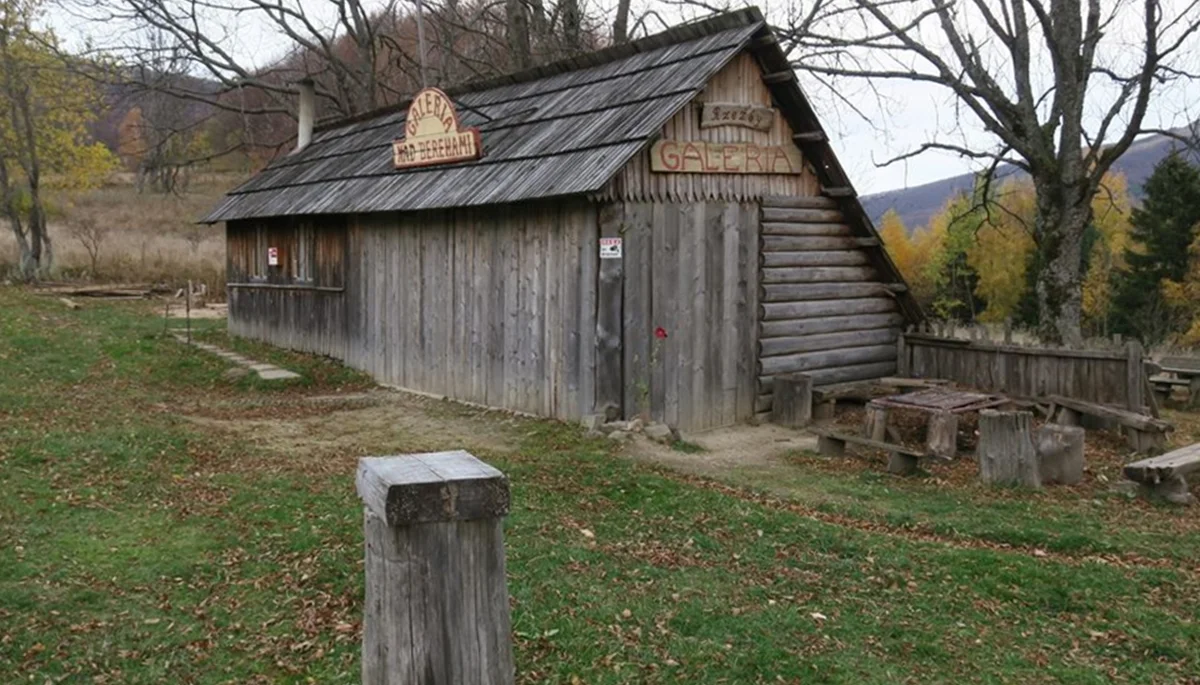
(560, 129)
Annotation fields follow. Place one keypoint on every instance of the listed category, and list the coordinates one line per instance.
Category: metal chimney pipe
(306, 114)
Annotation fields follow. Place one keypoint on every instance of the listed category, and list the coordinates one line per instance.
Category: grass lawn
(144, 540)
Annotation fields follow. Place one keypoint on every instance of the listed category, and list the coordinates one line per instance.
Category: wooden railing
(1115, 377)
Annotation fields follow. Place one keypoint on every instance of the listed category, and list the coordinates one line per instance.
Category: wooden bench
(1164, 476)
(902, 460)
(1146, 434)
(1178, 371)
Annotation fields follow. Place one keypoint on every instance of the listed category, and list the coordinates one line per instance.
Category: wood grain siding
(690, 269)
(824, 310)
(1090, 375)
(739, 81)
(269, 303)
(495, 306)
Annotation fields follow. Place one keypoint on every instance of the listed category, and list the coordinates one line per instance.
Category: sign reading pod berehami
(433, 133)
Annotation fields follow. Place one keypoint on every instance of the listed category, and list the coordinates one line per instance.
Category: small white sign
(610, 248)
(272, 256)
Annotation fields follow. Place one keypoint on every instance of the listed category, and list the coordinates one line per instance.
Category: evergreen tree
(1163, 228)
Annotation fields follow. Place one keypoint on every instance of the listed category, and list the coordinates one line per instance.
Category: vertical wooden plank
(610, 287)
(571, 297)
(714, 251)
(748, 312)
(497, 307)
(665, 226)
(587, 224)
(730, 319)
(1133, 376)
(639, 332)
(691, 267)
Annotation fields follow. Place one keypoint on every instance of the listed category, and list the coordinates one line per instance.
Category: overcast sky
(898, 115)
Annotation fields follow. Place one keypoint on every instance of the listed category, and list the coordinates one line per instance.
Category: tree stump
(875, 422)
(941, 436)
(1060, 453)
(436, 609)
(1006, 452)
(792, 405)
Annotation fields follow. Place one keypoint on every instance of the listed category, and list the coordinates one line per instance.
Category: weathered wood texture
(739, 81)
(436, 609)
(824, 312)
(495, 306)
(1007, 455)
(1060, 453)
(1091, 375)
(690, 269)
(273, 304)
(1165, 476)
(792, 406)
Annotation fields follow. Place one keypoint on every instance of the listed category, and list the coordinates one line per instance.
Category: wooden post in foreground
(792, 405)
(436, 610)
(1007, 455)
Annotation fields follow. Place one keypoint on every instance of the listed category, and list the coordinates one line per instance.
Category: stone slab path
(267, 372)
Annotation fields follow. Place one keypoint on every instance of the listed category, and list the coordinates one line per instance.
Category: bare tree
(361, 54)
(92, 235)
(1063, 87)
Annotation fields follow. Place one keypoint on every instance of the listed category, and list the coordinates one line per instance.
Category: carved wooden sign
(433, 134)
(757, 117)
(698, 157)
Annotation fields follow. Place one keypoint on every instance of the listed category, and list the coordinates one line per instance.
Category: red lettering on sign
(668, 154)
(729, 158)
(691, 152)
(752, 155)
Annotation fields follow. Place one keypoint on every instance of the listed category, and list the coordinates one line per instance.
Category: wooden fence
(1115, 377)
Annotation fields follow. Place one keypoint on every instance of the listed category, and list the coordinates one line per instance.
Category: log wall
(691, 270)
(824, 311)
(494, 305)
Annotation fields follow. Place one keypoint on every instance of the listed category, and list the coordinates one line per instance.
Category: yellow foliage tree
(1112, 209)
(1186, 295)
(912, 255)
(45, 108)
(1002, 248)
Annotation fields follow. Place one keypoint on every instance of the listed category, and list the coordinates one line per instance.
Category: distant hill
(917, 204)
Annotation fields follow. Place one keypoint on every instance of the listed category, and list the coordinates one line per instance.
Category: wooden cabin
(659, 227)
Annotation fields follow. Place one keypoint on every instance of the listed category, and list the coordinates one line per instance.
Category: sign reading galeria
(433, 134)
(698, 157)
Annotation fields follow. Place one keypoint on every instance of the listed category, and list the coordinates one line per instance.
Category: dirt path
(725, 448)
(325, 433)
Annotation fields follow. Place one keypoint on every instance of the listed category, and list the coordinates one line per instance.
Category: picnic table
(1178, 371)
(943, 406)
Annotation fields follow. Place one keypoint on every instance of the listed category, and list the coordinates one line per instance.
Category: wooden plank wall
(307, 317)
(740, 81)
(1090, 375)
(690, 269)
(824, 310)
(495, 305)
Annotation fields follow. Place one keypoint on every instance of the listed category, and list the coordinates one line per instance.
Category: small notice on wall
(272, 256)
(610, 248)
(755, 117)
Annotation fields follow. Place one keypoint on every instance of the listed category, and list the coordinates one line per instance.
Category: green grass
(137, 546)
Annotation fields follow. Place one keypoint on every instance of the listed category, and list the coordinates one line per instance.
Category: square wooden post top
(409, 489)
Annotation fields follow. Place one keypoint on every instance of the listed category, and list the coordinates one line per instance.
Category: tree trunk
(621, 23)
(516, 16)
(1063, 214)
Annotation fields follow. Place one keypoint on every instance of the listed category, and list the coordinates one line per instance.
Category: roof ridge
(679, 33)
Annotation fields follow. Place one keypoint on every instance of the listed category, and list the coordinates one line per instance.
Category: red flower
(660, 333)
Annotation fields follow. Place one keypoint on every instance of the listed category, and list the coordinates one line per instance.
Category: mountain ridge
(917, 204)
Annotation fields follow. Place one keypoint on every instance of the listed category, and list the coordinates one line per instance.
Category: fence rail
(1116, 377)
